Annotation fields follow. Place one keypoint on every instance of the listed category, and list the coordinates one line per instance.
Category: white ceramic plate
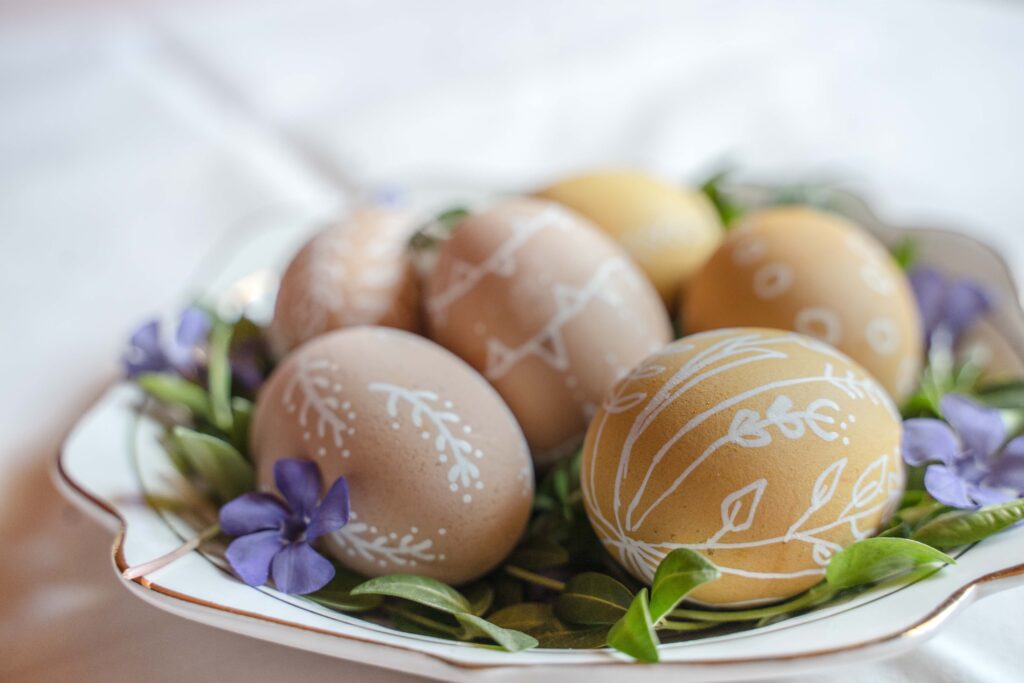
(113, 468)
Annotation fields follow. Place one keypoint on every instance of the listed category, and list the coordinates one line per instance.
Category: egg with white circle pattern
(801, 269)
(356, 272)
(766, 451)
(439, 474)
(548, 308)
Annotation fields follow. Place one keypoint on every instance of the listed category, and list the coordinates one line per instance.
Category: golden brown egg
(767, 451)
(668, 230)
(548, 309)
(439, 474)
(797, 268)
(357, 272)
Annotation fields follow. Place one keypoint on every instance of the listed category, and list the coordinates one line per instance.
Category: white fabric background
(133, 135)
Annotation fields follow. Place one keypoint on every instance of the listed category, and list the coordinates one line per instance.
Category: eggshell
(797, 268)
(439, 473)
(549, 309)
(357, 272)
(669, 230)
(767, 451)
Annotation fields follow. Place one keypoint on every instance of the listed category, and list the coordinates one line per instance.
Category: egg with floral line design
(356, 272)
(440, 477)
(817, 273)
(768, 451)
(548, 309)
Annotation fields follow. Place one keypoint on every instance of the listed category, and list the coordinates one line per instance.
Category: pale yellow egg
(669, 230)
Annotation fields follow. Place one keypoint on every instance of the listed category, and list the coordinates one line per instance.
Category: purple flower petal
(929, 287)
(299, 482)
(946, 486)
(332, 513)
(252, 512)
(989, 495)
(966, 301)
(980, 429)
(1007, 469)
(298, 569)
(193, 327)
(250, 556)
(193, 332)
(925, 439)
(144, 353)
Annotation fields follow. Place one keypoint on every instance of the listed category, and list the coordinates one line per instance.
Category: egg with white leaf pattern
(439, 474)
(767, 451)
(802, 269)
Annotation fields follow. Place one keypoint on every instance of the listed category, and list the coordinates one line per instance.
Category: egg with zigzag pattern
(548, 308)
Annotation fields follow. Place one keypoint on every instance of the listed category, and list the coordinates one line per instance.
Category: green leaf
(634, 633)
(905, 253)
(513, 641)
(538, 552)
(1005, 395)
(337, 594)
(874, 559)
(815, 596)
(539, 620)
(241, 410)
(218, 376)
(728, 210)
(480, 595)
(963, 527)
(593, 599)
(419, 589)
(216, 462)
(679, 572)
(172, 390)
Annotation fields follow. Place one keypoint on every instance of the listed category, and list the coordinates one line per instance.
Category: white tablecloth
(133, 134)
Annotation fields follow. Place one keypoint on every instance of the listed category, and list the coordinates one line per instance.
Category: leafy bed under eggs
(559, 588)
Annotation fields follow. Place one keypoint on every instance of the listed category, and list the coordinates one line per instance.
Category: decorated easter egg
(548, 308)
(357, 272)
(439, 474)
(797, 268)
(767, 451)
(669, 230)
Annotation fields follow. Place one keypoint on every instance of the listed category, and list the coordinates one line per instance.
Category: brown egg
(354, 273)
(767, 451)
(797, 268)
(669, 230)
(439, 473)
(550, 310)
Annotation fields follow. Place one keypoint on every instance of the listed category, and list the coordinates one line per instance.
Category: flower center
(293, 528)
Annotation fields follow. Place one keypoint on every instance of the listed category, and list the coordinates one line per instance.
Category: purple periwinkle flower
(275, 536)
(947, 305)
(970, 465)
(181, 353)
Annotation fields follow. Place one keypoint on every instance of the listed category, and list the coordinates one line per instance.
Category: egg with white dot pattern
(817, 273)
(439, 473)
